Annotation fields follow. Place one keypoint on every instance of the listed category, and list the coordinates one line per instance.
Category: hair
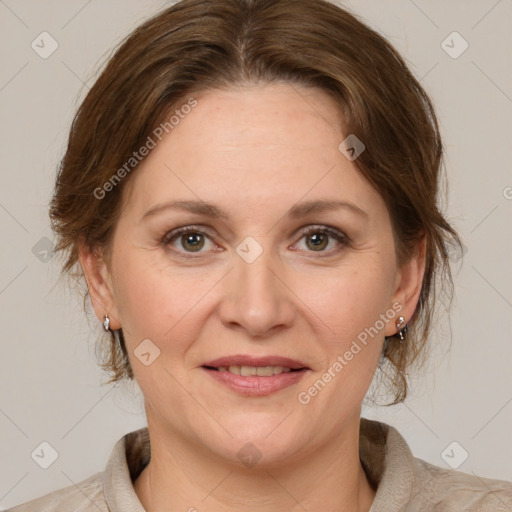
(201, 45)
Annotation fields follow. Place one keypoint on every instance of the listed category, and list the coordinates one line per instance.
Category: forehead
(252, 147)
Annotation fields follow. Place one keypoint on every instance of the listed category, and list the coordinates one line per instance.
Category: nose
(256, 298)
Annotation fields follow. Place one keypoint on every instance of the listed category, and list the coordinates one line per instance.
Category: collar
(385, 456)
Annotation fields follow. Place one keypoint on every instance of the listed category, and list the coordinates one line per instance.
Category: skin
(254, 151)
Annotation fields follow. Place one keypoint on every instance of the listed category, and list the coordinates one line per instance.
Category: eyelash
(339, 236)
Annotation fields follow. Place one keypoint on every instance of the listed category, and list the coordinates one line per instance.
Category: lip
(248, 360)
(255, 385)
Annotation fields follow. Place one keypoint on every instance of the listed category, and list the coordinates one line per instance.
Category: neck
(184, 476)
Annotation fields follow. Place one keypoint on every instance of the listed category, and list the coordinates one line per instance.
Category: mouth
(250, 371)
(255, 376)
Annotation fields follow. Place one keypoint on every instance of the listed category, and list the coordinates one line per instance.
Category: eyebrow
(297, 211)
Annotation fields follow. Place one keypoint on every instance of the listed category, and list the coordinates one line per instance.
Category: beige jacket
(403, 482)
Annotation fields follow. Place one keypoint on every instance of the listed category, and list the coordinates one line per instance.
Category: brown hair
(198, 45)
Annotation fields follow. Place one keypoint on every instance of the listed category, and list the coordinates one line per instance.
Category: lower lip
(255, 385)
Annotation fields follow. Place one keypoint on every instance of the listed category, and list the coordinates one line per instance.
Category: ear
(408, 286)
(99, 283)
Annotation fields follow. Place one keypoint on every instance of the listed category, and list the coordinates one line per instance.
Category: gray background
(50, 385)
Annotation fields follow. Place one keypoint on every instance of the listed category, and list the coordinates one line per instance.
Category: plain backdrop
(50, 385)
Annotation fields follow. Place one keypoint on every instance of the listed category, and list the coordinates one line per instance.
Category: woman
(250, 191)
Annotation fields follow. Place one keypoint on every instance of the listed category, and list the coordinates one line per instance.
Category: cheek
(158, 302)
(142, 300)
(351, 307)
(352, 302)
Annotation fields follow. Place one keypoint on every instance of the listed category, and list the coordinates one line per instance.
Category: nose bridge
(258, 300)
(254, 269)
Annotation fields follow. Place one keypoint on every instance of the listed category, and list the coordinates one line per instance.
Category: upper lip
(248, 360)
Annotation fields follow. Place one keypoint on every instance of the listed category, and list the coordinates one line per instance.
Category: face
(275, 284)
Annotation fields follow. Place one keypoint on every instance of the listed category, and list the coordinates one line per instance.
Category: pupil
(318, 240)
(193, 242)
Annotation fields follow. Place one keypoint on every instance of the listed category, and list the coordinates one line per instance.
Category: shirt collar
(129, 457)
(389, 462)
(384, 454)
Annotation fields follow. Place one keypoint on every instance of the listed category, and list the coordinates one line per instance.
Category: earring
(106, 323)
(401, 331)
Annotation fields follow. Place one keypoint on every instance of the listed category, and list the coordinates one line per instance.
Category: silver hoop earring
(401, 331)
(106, 323)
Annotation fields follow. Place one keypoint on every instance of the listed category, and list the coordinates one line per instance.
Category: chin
(262, 440)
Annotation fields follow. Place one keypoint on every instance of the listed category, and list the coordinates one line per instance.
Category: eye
(193, 240)
(189, 238)
(317, 238)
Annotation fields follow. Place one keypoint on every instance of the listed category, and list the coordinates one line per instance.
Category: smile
(260, 371)
(255, 376)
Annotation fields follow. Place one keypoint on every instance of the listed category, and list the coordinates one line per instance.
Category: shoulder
(449, 490)
(86, 496)
(409, 484)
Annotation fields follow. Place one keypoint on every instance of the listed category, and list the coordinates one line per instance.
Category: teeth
(260, 371)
